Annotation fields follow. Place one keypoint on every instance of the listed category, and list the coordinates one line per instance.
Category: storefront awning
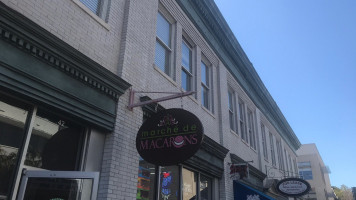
(243, 192)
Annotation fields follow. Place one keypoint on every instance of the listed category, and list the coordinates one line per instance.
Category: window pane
(93, 5)
(163, 29)
(205, 97)
(306, 175)
(231, 101)
(189, 185)
(204, 74)
(304, 165)
(12, 127)
(232, 124)
(186, 81)
(186, 57)
(169, 183)
(242, 121)
(49, 135)
(146, 180)
(205, 188)
(161, 58)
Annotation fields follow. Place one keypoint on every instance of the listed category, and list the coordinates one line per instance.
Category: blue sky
(305, 53)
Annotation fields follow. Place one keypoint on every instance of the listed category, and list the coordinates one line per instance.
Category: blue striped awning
(244, 192)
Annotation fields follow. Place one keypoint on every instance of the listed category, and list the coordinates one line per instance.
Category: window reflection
(146, 181)
(54, 144)
(12, 127)
(189, 185)
(169, 183)
(205, 188)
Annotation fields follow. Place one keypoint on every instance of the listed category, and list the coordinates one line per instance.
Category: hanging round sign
(169, 137)
(293, 187)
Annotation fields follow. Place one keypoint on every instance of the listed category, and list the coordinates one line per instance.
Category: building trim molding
(46, 70)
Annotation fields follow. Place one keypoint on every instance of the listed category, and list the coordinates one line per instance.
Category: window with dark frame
(163, 45)
(287, 164)
(264, 142)
(273, 155)
(280, 155)
(205, 86)
(232, 115)
(305, 170)
(242, 121)
(187, 66)
(251, 129)
(50, 133)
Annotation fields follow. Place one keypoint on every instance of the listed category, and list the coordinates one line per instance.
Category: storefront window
(12, 131)
(55, 143)
(205, 188)
(146, 181)
(175, 183)
(189, 185)
(169, 183)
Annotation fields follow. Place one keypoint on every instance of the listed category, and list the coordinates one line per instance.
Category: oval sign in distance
(169, 137)
(293, 187)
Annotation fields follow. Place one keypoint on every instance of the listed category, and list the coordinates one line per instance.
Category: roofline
(211, 24)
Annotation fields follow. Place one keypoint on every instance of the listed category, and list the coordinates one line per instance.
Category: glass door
(58, 185)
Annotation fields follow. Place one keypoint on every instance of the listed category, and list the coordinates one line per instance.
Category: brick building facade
(74, 61)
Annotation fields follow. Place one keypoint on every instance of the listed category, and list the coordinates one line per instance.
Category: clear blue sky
(305, 53)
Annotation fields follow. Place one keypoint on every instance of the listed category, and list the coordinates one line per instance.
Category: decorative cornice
(43, 45)
(214, 148)
(212, 25)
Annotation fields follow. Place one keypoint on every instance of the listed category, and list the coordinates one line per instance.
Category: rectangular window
(50, 134)
(98, 7)
(305, 170)
(169, 183)
(163, 45)
(242, 120)
(232, 104)
(190, 183)
(273, 154)
(280, 155)
(206, 188)
(146, 180)
(287, 164)
(44, 150)
(187, 66)
(264, 142)
(251, 129)
(295, 166)
(206, 98)
(291, 165)
(196, 186)
(13, 119)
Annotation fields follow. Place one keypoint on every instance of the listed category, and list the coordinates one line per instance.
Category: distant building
(354, 192)
(312, 169)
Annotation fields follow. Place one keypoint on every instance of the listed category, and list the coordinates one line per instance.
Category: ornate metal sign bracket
(173, 96)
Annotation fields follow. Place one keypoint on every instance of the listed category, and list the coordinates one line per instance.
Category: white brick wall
(126, 46)
(70, 23)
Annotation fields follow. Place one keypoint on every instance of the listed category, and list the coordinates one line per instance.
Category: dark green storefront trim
(37, 66)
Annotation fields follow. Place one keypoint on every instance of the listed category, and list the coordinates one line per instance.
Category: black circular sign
(169, 137)
(293, 187)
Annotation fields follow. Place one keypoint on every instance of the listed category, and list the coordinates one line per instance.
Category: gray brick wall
(70, 23)
(126, 46)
